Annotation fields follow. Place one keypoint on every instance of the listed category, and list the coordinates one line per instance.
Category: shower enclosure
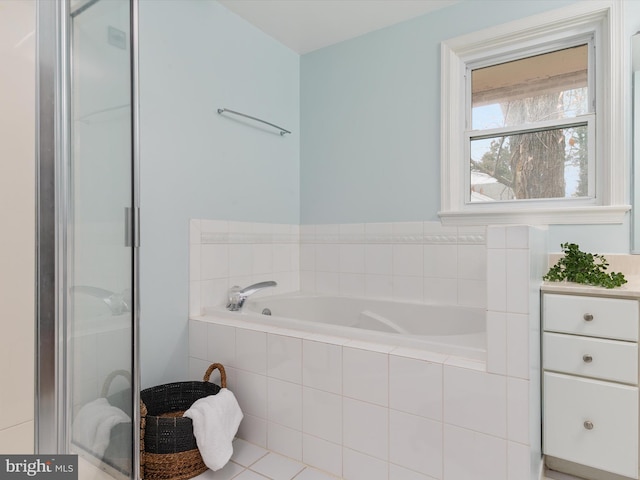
(87, 375)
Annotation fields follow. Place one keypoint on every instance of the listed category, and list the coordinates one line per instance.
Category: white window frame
(544, 32)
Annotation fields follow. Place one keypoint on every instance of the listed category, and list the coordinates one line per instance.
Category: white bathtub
(446, 329)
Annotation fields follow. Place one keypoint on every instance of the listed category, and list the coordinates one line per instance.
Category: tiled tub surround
(225, 253)
(415, 261)
(353, 409)
(367, 411)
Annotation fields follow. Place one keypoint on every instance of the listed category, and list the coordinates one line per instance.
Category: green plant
(582, 267)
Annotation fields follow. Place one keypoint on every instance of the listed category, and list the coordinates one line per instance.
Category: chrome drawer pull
(588, 425)
(587, 317)
(587, 358)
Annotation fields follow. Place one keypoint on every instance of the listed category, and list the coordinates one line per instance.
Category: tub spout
(238, 295)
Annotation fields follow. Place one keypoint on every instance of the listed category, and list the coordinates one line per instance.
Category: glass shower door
(99, 248)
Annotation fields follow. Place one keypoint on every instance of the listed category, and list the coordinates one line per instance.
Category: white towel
(216, 419)
(93, 423)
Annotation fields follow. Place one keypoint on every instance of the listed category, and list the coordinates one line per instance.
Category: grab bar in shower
(282, 130)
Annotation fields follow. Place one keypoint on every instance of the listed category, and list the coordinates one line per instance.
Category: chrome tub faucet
(238, 295)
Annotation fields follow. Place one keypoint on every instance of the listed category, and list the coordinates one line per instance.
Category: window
(532, 121)
(530, 128)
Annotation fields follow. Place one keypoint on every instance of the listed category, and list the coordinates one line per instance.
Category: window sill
(591, 215)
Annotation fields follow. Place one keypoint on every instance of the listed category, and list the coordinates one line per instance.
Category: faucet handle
(238, 295)
(234, 298)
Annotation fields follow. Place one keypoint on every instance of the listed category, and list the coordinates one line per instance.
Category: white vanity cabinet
(590, 381)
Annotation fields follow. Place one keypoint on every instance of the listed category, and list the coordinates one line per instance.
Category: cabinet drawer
(592, 316)
(591, 357)
(612, 410)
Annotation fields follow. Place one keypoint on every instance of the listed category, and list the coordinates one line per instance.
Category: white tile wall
(254, 430)
(365, 411)
(415, 261)
(251, 392)
(516, 261)
(517, 410)
(322, 414)
(411, 438)
(486, 412)
(365, 428)
(322, 454)
(469, 455)
(221, 344)
(316, 420)
(518, 345)
(472, 262)
(415, 386)
(284, 440)
(518, 461)
(517, 280)
(284, 403)
(284, 358)
(358, 466)
(441, 261)
(379, 259)
(496, 279)
(415, 443)
(352, 258)
(251, 351)
(352, 284)
(400, 473)
(497, 342)
(365, 375)
(441, 290)
(223, 254)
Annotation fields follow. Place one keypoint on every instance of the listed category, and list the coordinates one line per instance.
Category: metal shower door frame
(52, 424)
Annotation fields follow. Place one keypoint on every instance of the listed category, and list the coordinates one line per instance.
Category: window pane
(545, 164)
(543, 87)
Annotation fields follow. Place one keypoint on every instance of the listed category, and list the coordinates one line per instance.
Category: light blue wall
(370, 115)
(195, 57)
(606, 238)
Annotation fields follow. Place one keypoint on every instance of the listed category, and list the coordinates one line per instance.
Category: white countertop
(631, 289)
(629, 265)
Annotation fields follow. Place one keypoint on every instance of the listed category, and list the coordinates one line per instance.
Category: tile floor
(251, 462)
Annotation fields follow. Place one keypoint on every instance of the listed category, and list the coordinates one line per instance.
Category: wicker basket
(168, 449)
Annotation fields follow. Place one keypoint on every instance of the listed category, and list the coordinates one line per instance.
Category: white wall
(17, 217)
(196, 57)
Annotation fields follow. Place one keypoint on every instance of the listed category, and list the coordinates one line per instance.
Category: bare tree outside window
(529, 139)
